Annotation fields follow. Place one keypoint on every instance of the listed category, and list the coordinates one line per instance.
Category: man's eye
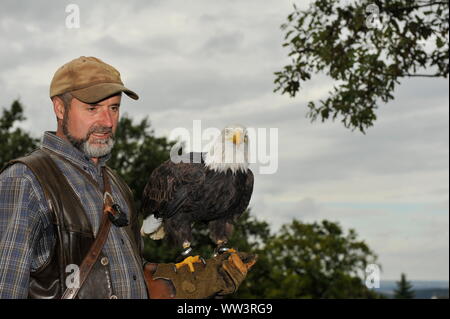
(91, 108)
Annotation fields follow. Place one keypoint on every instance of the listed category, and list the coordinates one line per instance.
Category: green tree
(404, 289)
(316, 261)
(365, 47)
(14, 142)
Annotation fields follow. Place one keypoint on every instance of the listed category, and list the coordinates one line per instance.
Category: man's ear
(58, 107)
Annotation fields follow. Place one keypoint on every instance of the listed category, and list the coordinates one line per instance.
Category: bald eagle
(213, 187)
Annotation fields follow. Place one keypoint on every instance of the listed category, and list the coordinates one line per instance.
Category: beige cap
(88, 79)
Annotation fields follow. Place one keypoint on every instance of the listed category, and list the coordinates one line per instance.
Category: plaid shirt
(26, 232)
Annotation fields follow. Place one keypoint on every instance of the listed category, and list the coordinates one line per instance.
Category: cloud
(226, 43)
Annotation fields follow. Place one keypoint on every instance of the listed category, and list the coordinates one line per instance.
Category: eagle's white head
(229, 151)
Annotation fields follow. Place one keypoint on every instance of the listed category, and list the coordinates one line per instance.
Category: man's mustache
(100, 130)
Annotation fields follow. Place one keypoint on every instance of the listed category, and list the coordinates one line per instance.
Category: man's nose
(107, 118)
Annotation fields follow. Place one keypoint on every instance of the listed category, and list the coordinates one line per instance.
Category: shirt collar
(64, 148)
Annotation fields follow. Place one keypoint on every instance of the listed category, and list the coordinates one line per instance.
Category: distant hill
(431, 293)
(422, 289)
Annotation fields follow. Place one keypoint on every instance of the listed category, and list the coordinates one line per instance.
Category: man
(51, 205)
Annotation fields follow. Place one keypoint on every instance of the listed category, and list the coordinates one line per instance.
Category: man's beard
(87, 148)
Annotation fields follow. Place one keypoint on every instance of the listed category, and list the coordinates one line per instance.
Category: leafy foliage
(366, 47)
(14, 142)
(317, 261)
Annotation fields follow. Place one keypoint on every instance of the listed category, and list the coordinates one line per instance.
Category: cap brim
(101, 91)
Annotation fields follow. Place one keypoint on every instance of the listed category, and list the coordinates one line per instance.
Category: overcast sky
(214, 61)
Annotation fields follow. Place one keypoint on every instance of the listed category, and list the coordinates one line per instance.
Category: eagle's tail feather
(153, 227)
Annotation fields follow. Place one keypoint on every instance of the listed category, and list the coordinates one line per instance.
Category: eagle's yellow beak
(237, 138)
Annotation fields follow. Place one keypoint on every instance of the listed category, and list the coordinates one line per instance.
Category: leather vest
(73, 233)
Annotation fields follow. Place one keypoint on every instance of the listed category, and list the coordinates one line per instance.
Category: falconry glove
(219, 276)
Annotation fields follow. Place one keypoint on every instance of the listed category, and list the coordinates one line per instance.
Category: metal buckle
(117, 217)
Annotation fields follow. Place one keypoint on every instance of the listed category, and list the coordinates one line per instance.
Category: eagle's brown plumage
(179, 194)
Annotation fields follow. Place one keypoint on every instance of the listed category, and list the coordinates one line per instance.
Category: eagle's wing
(169, 192)
(159, 189)
(169, 187)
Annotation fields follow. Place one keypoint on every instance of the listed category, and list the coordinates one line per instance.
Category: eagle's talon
(189, 261)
